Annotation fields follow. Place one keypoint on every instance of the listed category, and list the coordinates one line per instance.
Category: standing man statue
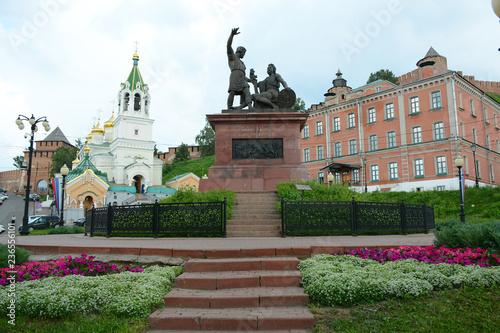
(237, 80)
(269, 89)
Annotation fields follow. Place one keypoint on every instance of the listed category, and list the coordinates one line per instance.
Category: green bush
(455, 234)
(67, 230)
(21, 255)
(182, 196)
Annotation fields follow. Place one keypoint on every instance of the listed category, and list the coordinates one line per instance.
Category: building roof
(182, 176)
(135, 75)
(57, 135)
(83, 166)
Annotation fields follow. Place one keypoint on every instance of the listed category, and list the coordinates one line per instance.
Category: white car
(2, 228)
(4, 196)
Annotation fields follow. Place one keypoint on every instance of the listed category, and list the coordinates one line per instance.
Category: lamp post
(366, 186)
(459, 162)
(330, 178)
(32, 121)
(473, 147)
(64, 173)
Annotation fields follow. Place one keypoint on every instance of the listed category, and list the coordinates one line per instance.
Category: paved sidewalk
(212, 247)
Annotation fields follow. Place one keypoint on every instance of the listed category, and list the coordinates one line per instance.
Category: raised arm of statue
(234, 32)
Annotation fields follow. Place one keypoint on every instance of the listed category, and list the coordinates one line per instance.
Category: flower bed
(430, 254)
(364, 276)
(83, 265)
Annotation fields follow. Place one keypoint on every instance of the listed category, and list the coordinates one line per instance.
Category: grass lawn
(458, 310)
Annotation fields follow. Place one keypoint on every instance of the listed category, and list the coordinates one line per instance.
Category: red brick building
(406, 137)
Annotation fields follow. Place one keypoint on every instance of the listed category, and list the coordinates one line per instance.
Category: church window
(136, 131)
(137, 102)
(126, 100)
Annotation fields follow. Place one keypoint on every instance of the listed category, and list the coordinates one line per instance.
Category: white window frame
(321, 177)
(338, 149)
(307, 155)
(472, 107)
(319, 153)
(372, 115)
(319, 127)
(416, 134)
(374, 173)
(336, 124)
(436, 101)
(353, 148)
(438, 130)
(355, 176)
(391, 139)
(441, 165)
(414, 105)
(419, 167)
(373, 142)
(393, 170)
(351, 120)
(389, 111)
(305, 132)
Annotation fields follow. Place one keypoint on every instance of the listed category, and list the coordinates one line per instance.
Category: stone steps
(238, 294)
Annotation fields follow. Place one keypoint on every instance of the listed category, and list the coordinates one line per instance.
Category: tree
(182, 154)
(79, 144)
(299, 106)
(63, 155)
(206, 140)
(18, 161)
(383, 74)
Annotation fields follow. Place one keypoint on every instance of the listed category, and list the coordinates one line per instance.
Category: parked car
(4, 196)
(44, 222)
(2, 228)
(33, 197)
(80, 222)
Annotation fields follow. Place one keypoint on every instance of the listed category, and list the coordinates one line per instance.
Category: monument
(257, 144)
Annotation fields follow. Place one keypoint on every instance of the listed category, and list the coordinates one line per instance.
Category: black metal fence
(331, 217)
(168, 219)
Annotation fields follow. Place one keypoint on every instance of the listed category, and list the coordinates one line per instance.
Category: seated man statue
(269, 89)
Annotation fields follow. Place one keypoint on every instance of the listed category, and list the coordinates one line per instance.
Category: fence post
(109, 220)
(354, 217)
(403, 216)
(92, 219)
(156, 221)
(224, 207)
(426, 229)
(283, 231)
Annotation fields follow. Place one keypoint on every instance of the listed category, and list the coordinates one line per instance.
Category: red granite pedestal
(255, 174)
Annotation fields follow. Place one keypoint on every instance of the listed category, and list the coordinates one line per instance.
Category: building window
(42, 186)
(478, 169)
(492, 176)
(472, 107)
(136, 132)
(336, 124)
(474, 135)
(416, 134)
(414, 105)
(355, 175)
(393, 170)
(372, 118)
(436, 99)
(441, 165)
(485, 112)
(438, 130)
(305, 132)
(389, 111)
(374, 173)
(353, 146)
(418, 165)
(391, 139)
(495, 120)
(460, 102)
(307, 156)
(498, 146)
(378, 89)
(351, 120)
(440, 188)
(320, 152)
(373, 142)
(338, 149)
(462, 128)
(321, 177)
(319, 128)
(488, 143)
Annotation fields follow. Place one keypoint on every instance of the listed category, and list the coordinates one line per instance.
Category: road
(15, 206)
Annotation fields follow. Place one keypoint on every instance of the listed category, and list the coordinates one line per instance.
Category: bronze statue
(269, 89)
(237, 80)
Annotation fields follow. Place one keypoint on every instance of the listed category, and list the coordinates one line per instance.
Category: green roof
(115, 188)
(161, 190)
(135, 75)
(84, 166)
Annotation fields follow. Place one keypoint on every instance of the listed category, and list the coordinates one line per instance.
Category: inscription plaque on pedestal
(257, 149)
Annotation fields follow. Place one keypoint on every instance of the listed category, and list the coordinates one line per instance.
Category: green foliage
(67, 230)
(18, 161)
(79, 144)
(383, 74)
(21, 255)
(197, 166)
(181, 154)
(319, 192)
(206, 140)
(348, 280)
(127, 295)
(63, 155)
(455, 234)
(299, 106)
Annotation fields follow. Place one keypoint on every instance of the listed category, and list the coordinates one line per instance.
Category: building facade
(405, 137)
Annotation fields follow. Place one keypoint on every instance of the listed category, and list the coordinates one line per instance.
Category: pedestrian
(13, 220)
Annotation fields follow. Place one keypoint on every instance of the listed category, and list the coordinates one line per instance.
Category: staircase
(238, 294)
(254, 215)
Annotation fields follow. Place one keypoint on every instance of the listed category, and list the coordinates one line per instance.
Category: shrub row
(455, 234)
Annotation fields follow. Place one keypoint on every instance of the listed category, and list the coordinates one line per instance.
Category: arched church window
(126, 100)
(137, 102)
(42, 186)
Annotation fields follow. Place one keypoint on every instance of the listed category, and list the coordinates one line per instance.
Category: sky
(65, 59)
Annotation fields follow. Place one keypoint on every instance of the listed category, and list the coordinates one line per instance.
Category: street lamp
(459, 163)
(32, 121)
(64, 173)
(330, 178)
(366, 186)
(473, 147)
